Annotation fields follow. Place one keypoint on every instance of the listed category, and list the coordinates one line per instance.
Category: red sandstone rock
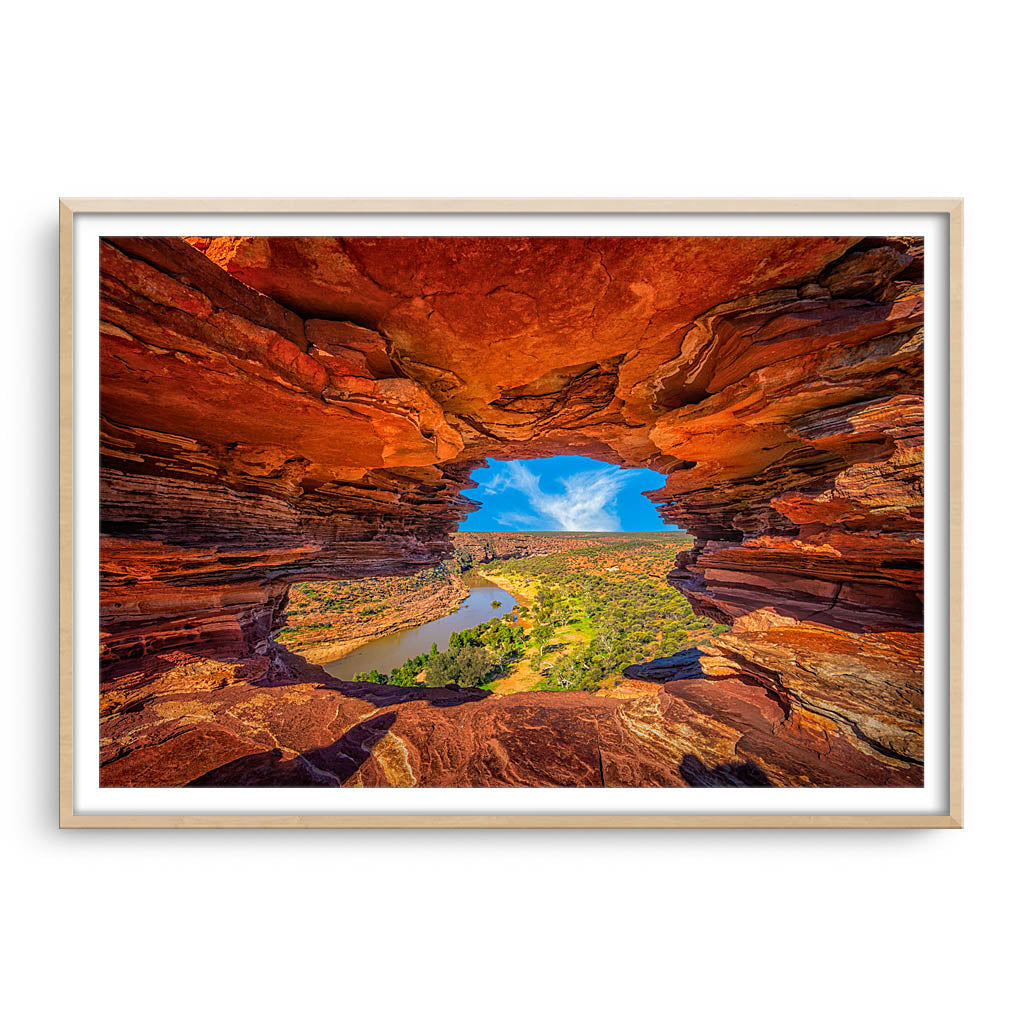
(202, 723)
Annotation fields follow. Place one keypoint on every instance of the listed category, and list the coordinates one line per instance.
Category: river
(389, 652)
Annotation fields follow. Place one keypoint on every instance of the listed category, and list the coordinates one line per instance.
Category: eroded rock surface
(286, 409)
(174, 720)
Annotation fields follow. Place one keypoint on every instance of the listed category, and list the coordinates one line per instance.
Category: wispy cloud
(586, 501)
(518, 519)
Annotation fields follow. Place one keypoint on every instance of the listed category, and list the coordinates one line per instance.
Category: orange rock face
(177, 721)
(286, 409)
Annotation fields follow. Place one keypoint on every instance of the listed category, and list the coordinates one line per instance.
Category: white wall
(193, 98)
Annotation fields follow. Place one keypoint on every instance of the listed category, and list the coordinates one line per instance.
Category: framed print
(510, 513)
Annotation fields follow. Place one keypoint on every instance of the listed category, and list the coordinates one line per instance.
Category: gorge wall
(283, 409)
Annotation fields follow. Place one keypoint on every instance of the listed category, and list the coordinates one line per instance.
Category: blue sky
(567, 492)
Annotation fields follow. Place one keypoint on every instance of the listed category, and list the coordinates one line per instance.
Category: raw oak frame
(951, 207)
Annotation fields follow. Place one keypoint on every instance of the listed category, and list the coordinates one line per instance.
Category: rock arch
(280, 409)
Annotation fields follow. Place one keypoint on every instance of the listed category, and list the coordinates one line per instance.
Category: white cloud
(518, 519)
(586, 501)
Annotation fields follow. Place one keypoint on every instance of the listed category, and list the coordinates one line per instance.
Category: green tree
(563, 613)
(542, 636)
(466, 667)
(505, 653)
(373, 676)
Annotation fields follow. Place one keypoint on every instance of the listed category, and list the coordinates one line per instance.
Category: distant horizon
(594, 533)
(563, 494)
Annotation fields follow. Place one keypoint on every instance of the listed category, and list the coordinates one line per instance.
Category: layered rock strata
(284, 409)
(180, 721)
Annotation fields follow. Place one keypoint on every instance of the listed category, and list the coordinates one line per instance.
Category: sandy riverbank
(319, 650)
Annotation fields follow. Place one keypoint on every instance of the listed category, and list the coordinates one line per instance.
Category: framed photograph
(511, 513)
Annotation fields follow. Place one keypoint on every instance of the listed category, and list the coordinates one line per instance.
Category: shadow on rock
(684, 665)
(331, 765)
(734, 774)
(382, 695)
(293, 668)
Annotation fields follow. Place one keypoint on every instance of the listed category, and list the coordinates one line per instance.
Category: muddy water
(389, 652)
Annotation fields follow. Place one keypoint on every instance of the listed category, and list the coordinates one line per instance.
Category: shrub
(466, 667)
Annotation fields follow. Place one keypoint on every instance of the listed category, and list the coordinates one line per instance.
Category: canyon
(279, 410)
(329, 620)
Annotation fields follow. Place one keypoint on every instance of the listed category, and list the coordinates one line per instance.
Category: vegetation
(592, 610)
(343, 607)
(475, 657)
(468, 667)
(597, 611)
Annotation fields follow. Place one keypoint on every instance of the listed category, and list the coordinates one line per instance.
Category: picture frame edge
(69, 207)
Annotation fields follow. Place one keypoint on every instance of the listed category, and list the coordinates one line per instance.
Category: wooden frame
(952, 208)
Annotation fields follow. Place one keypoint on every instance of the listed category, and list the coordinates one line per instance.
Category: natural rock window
(279, 411)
